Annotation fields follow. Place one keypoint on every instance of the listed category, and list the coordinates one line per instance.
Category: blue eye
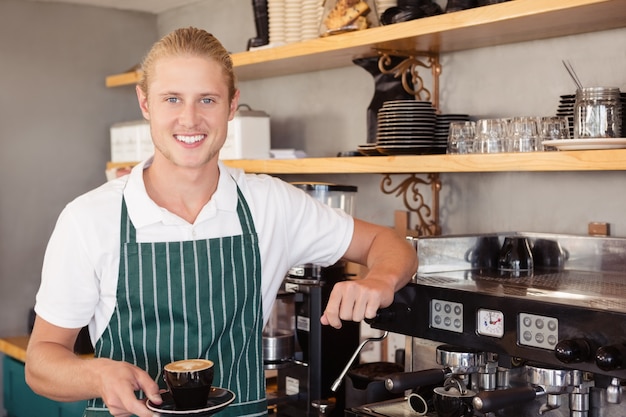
(172, 99)
(207, 100)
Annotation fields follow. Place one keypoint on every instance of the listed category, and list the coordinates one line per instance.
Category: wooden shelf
(125, 78)
(498, 24)
(600, 160)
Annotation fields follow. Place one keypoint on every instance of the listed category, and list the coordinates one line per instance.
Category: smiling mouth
(189, 139)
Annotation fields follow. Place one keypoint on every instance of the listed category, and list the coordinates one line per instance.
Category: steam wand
(337, 382)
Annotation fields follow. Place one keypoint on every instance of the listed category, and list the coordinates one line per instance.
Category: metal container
(279, 333)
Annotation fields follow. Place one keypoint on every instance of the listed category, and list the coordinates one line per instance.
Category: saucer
(586, 144)
(219, 398)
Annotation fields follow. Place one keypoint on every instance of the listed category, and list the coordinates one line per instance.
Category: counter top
(14, 347)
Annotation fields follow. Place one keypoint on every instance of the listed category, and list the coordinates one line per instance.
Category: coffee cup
(189, 382)
(450, 402)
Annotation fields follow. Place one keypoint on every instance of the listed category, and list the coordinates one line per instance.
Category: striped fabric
(192, 299)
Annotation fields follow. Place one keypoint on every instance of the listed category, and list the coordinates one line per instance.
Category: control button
(538, 331)
(446, 315)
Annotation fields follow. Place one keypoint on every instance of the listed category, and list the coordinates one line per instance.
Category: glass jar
(597, 113)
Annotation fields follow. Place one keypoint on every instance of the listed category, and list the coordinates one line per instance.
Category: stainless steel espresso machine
(306, 372)
(512, 325)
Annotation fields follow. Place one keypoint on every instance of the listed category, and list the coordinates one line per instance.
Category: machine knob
(401, 381)
(573, 351)
(611, 358)
(488, 401)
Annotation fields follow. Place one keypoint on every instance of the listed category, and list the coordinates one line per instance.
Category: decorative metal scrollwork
(427, 217)
(409, 68)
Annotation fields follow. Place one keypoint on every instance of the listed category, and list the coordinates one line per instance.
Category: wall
(55, 114)
(324, 113)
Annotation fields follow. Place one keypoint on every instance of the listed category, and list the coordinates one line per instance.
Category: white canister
(248, 136)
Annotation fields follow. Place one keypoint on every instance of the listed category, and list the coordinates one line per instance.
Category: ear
(234, 103)
(143, 102)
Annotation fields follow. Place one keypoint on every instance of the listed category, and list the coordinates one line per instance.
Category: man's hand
(118, 383)
(391, 262)
(55, 372)
(356, 300)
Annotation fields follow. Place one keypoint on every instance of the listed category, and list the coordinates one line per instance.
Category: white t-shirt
(80, 269)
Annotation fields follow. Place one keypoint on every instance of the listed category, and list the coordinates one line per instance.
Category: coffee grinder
(320, 351)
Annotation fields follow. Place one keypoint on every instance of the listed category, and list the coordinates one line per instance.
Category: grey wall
(55, 114)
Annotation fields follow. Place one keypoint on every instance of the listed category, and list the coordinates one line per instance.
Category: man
(183, 257)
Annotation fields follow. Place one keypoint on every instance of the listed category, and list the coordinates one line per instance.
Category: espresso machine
(305, 375)
(542, 332)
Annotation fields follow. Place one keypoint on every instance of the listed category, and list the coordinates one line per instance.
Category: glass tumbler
(461, 137)
(523, 134)
(490, 135)
(553, 128)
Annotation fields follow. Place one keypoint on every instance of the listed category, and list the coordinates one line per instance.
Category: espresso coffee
(189, 365)
(189, 382)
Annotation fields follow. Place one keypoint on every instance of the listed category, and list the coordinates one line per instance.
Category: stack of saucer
(566, 109)
(443, 126)
(276, 18)
(311, 17)
(293, 20)
(407, 127)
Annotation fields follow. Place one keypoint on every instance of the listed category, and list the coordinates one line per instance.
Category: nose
(188, 115)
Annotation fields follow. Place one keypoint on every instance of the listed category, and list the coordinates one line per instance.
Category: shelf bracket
(408, 71)
(410, 189)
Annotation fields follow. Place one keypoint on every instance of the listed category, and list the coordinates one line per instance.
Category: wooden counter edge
(15, 347)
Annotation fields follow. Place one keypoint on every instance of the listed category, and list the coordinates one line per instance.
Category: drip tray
(391, 408)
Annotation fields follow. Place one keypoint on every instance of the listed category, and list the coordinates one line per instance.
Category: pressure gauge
(490, 323)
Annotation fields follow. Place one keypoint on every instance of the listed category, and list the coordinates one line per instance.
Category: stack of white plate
(276, 18)
(311, 16)
(407, 127)
(294, 20)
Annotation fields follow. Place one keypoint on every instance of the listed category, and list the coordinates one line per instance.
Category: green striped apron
(191, 299)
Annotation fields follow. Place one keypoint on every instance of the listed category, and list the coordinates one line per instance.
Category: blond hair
(188, 41)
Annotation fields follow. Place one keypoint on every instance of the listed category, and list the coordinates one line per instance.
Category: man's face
(188, 108)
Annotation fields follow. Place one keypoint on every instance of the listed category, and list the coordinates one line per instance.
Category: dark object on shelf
(387, 87)
(410, 10)
(262, 23)
(457, 5)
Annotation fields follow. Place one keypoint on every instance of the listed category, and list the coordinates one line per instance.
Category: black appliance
(554, 338)
(304, 383)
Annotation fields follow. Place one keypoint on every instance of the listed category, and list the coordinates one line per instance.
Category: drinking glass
(523, 134)
(461, 137)
(490, 135)
(553, 128)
